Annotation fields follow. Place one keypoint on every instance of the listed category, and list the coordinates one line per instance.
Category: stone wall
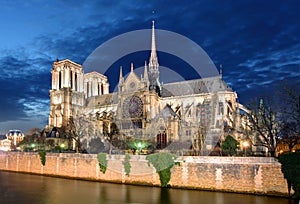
(259, 175)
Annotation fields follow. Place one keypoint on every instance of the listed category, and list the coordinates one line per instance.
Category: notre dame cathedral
(191, 115)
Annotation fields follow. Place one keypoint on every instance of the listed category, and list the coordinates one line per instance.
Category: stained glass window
(132, 107)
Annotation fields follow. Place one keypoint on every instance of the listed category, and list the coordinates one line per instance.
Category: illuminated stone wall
(258, 175)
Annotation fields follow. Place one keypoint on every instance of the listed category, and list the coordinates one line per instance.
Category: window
(71, 79)
(75, 82)
(221, 108)
(59, 80)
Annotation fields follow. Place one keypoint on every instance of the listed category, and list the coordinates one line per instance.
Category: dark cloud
(23, 83)
(257, 42)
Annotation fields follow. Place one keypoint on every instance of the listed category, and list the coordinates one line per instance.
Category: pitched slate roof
(198, 86)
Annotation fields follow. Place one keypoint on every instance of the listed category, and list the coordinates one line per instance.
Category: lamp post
(245, 145)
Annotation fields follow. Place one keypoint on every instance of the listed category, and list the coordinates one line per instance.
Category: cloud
(24, 81)
(256, 42)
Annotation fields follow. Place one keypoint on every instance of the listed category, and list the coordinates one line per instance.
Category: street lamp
(139, 147)
(32, 146)
(62, 146)
(245, 145)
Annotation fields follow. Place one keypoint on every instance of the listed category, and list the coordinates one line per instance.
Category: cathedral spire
(145, 72)
(153, 65)
(153, 62)
(131, 67)
(121, 75)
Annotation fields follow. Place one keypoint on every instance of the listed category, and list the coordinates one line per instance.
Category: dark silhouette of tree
(290, 116)
(290, 167)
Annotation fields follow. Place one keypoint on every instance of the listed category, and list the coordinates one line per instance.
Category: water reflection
(32, 189)
(165, 196)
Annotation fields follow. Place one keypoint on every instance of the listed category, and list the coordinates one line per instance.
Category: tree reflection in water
(165, 196)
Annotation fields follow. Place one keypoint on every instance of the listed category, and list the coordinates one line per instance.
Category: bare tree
(265, 124)
(75, 130)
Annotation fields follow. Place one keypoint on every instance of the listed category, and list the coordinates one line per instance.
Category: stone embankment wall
(259, 175)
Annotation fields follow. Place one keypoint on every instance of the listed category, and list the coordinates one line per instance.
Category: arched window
(161, 140)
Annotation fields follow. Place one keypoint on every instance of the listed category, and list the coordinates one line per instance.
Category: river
(18, 188)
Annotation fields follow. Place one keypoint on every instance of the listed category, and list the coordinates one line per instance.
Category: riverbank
(253, 175)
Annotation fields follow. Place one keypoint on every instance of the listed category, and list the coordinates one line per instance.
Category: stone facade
(194, 112)
(13, 138)
(257, 175)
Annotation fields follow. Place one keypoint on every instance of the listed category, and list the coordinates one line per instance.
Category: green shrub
(127, 165)
(102, 162)
(290, 167)
(163, 163)
(230, 145)
(43, 157)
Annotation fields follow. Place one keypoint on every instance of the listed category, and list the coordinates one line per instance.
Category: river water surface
(33, 189)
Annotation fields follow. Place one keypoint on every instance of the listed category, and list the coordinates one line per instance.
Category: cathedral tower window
(87, 89)
(71, 79)
(76, 82)
(59, 80)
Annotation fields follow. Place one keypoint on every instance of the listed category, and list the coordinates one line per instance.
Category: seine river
(24, 188)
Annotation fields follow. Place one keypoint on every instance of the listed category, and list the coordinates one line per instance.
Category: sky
(257, 42)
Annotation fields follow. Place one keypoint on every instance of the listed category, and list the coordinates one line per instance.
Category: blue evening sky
(257, 42)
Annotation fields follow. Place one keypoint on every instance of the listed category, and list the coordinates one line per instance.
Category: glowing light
(246, 144)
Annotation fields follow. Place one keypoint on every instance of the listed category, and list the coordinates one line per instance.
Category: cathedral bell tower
(67, 93)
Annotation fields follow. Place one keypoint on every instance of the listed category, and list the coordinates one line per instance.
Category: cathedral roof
(106, 99)
(57, 62)
(197, 86)
(95, 74)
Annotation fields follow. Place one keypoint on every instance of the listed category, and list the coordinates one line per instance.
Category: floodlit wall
(259, 175)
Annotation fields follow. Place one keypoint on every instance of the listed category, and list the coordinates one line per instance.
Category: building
(15, 137)
(187, 115)
(5, 144)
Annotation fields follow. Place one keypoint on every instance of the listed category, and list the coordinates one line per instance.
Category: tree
(33, 136)
(75, 130)
(290, 115)
(290, 167)
(229, 145)
(265, 123)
